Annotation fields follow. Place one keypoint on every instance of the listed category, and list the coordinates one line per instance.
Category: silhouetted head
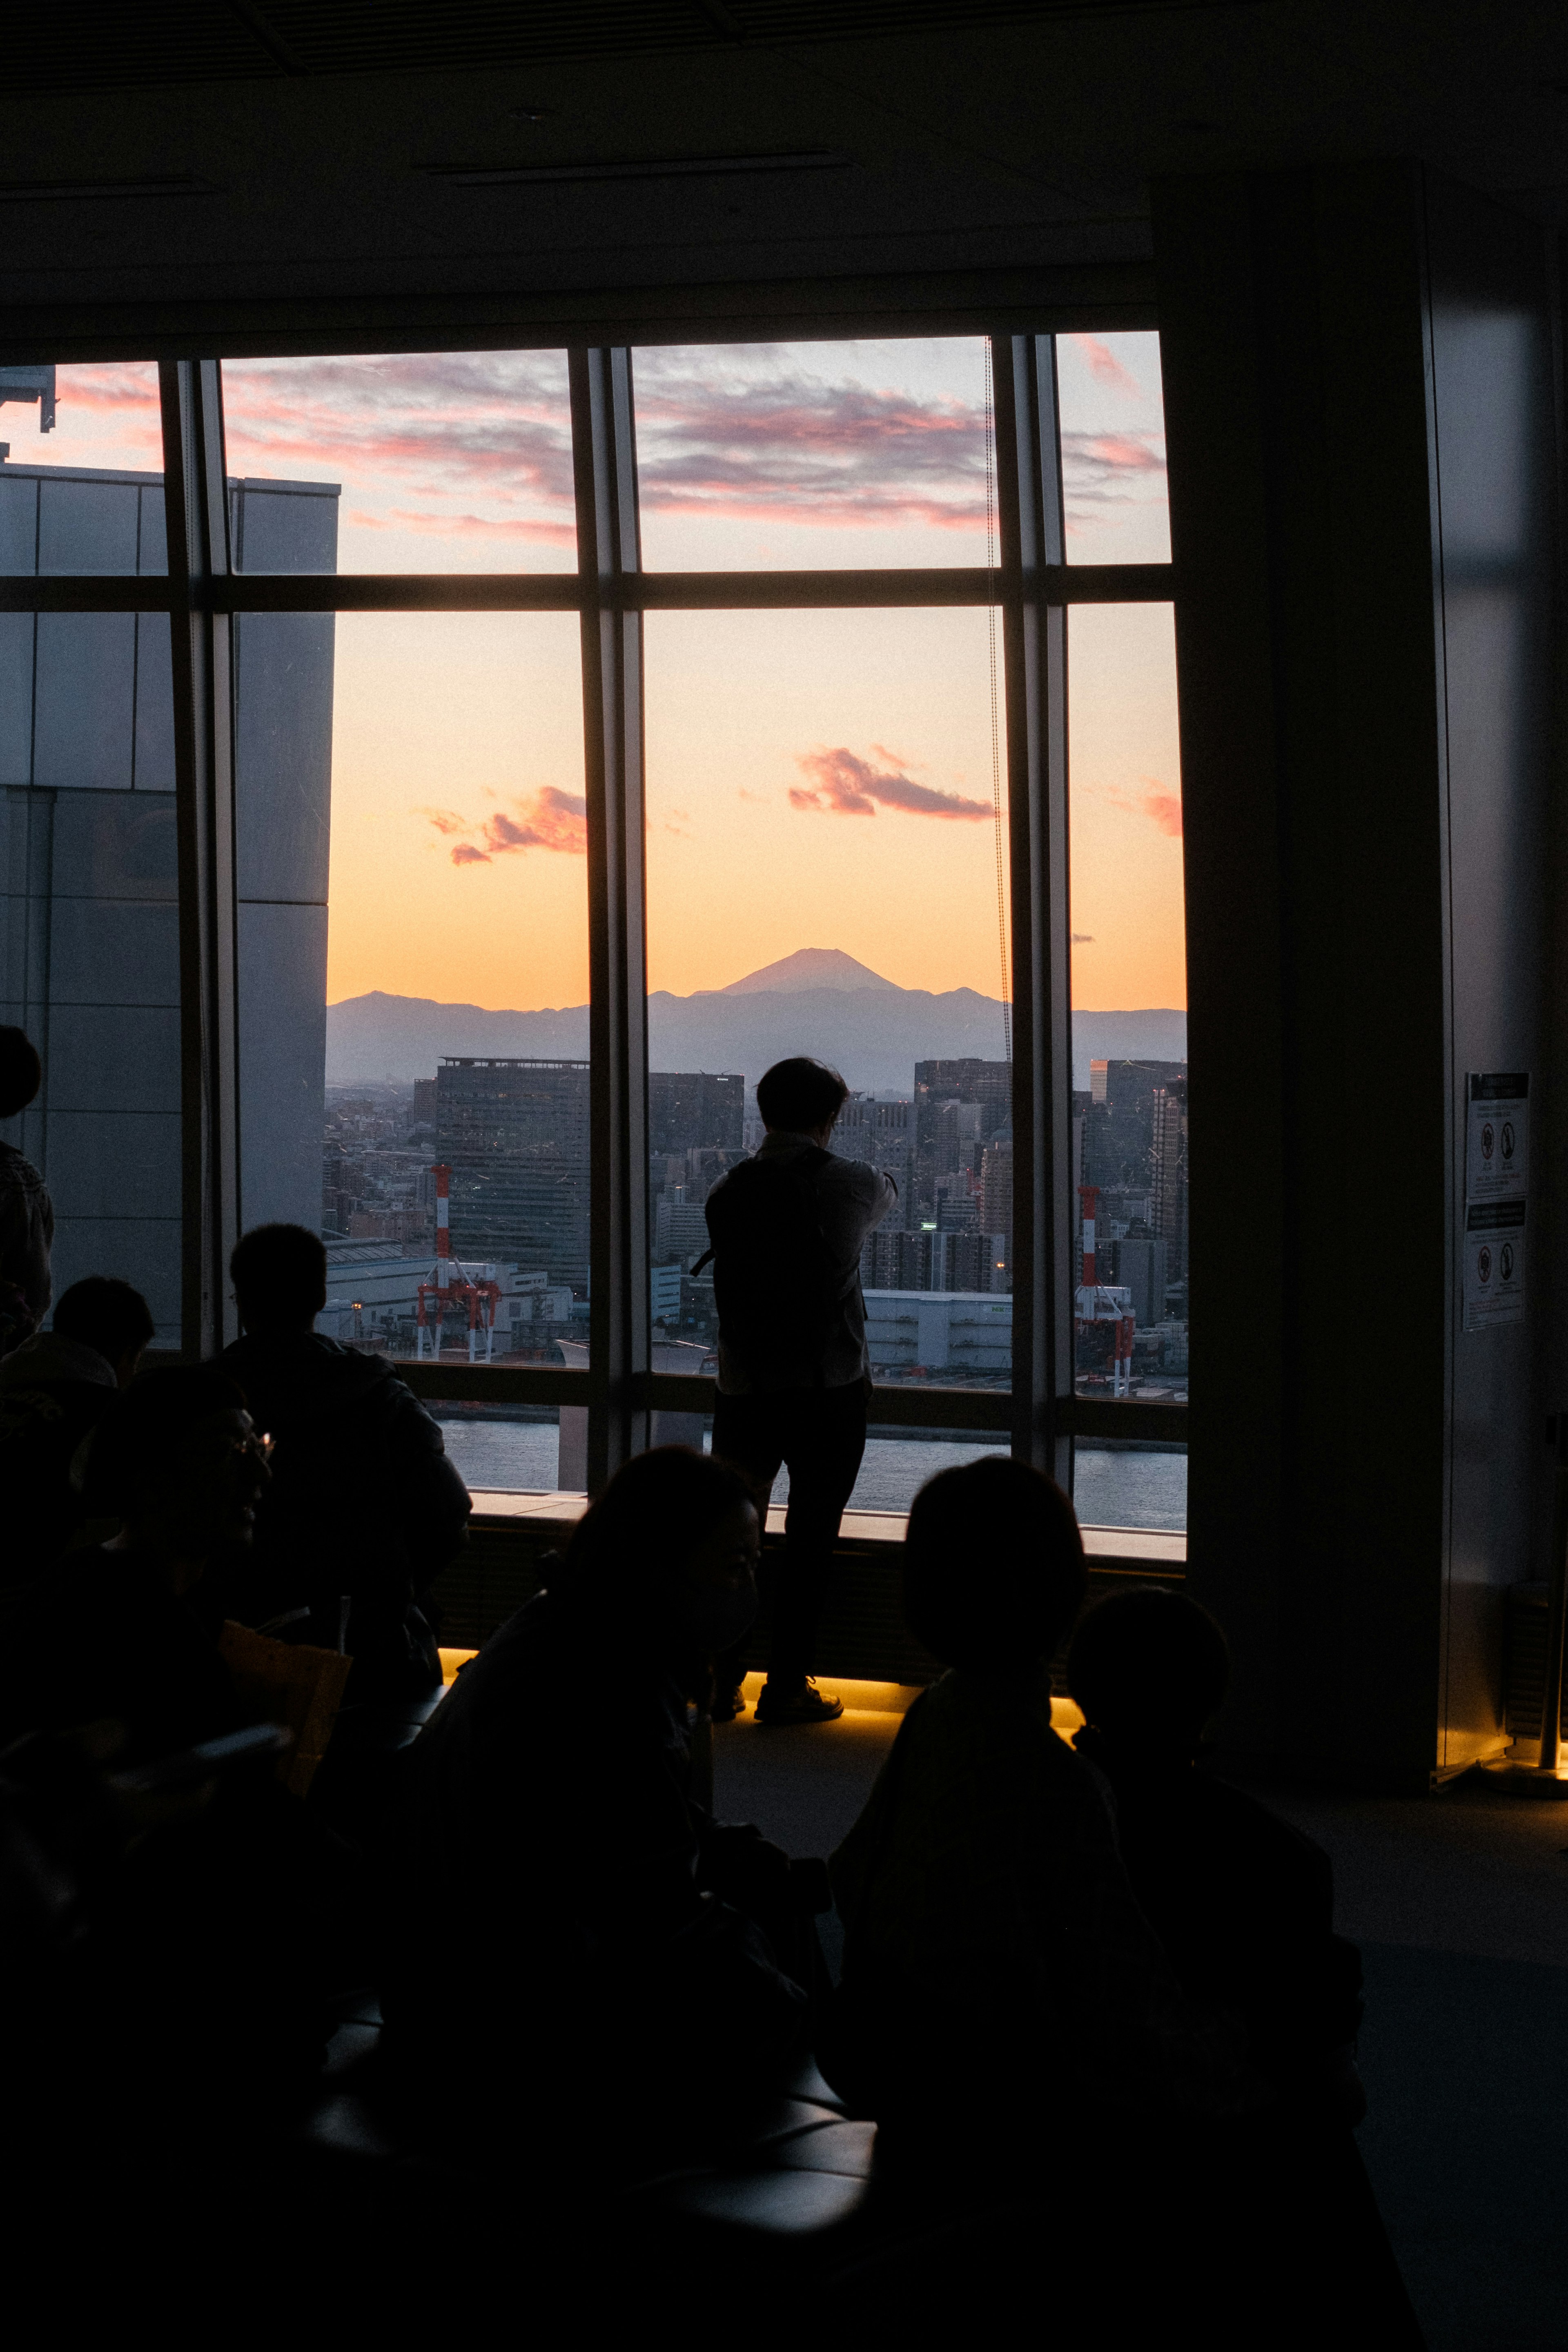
(670, 1551)
(176, 1458)
(802, 1097)
(21, 1072)
(994, 1572)
(1149, 1668)
(279, 1275)
(108, 1315)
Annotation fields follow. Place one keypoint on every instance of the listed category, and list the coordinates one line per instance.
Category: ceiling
(300, 174)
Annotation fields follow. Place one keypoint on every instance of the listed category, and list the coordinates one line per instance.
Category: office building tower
(880, 1134)
(1138, 1264)
(1120, 1136)
(89, 920)
(959, 1105)
(515, 1136)
(1168, 1170)
(687, 1109)
(996, 1191)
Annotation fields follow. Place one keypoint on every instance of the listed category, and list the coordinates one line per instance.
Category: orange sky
(457, 864)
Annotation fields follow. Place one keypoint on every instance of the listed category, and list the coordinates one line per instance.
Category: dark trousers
(819, 1435)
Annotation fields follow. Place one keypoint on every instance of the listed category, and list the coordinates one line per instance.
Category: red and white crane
(452, 1286)
(1095, 1302)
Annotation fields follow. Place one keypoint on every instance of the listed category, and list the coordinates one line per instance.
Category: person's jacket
(52, 1391)
(562, 1878)
(363, 1503)
(26, 1237)
(100, 1639)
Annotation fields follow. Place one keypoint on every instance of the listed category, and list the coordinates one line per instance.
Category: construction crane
(1097, 1305)
(454, 1286)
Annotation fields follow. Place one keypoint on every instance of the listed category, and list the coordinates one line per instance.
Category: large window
(554, 740)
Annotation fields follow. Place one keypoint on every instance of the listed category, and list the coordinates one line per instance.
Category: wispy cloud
(548, 819)
(767, 439)
(843, 785)
(463, 443)
(1104, 366)
(1156, 803)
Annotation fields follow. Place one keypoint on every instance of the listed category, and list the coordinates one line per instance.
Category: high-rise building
(89, 915)
(1168, 1170)
(959, 1105)
(996, 1191)
(880, 1134)
(689, 1109)
(1120, 1136)
(1138, 1264)
(515, 1136)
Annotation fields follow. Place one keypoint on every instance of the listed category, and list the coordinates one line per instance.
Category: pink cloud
(1104, 366)
(1162, 806)
(549, 819)
(843, 785)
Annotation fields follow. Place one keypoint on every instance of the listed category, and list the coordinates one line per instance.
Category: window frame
(1031, 586)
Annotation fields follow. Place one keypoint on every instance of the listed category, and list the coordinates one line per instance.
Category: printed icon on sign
(1484, 1262)
(1508, 1138)
(1506, 1269)
(1487, 1140)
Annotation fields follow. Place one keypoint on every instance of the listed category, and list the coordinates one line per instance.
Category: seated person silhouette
(1243, 1904)
(363, 1504)
(1242, 1901)
(613, 1944)
(124, 1632)
(54, 1388)
(26, 1212)
(996, 1964)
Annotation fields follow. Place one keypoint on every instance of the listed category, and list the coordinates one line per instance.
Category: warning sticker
(1494, 1264)
(1497, 1136)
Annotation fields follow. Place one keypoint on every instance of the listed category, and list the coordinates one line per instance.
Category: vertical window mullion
(603, 458)
(196, 517)
(1035, 654)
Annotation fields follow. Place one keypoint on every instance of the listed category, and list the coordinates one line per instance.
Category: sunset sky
(814, 780)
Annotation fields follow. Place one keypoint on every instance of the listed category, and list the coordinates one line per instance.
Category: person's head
(102, 1313)
(670, 1551)
(994, 1570)
(21, 1072)
(800, 1097)
(177, 1460)
(279, 1275)
(1149, 1669)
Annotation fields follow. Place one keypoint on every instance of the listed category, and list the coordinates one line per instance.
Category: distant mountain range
(818, 1001)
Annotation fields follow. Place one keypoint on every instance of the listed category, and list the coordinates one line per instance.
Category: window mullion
(196, 518)
(604, 457)
(1034, 638)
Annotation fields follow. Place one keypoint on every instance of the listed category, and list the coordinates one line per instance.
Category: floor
(1459, 1902)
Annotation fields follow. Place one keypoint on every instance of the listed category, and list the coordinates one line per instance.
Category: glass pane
(90, 935)
(81, 469)
(516, 1449)
(1113, 449)
(1123, 1485)
(431, 461)
(413, 899)
(788, 456)
(827, 833)
(1129, 981)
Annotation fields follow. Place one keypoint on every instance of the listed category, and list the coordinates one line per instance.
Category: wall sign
(1497, 1186)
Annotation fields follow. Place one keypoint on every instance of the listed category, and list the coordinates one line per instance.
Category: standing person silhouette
(26, 1212)
(787, 1227)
